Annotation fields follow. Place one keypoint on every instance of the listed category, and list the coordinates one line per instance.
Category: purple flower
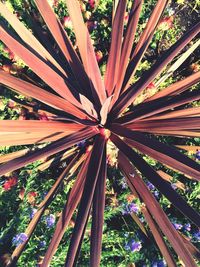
(42, 244)
(129, 208)
(82, 144)
(187, 227)
(196, 236)
(33, 212)
(133, 208)
(92, 25)
(50, 220)
(150, 186)
(135, 246)
(174, 186)
(160, 263)
(197, 155)
(156, 194)
(19, 239)
(123, 184)
(177, 226)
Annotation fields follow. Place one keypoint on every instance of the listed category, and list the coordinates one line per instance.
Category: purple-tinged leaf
(156, 211)
(158, 238)
(127, 45)
(63, 42)
(87, 52)
(132, 92)
(163, 186)
(27, 36)
(47, 74)
(112, 68)
(16, 139)
(159, 105)
(178, 87)
(31, 90)
(49, 150)
(41, 208)
(95, 165)
(39, 126)
(98, 216)
(144, 41)
(66, 215)
(164, 153)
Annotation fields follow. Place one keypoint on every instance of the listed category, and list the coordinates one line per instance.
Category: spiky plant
(81, 106)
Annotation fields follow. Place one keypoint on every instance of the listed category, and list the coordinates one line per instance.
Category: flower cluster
(50, 220)
(19, 239)
(159, 263)
(197, 155)
(152, 188)
(133, 246)
(67, 23)
(91, 3)
(187, 227)
(177, 226)
(196, 236)
(123, 183)
(32, 213)
(130, 208)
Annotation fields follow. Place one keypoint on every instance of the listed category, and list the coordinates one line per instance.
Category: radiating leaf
(157, 181)
(113, 64)
(94, 167)
(49, 150)
(86, 51)
(157, 212)
(130, 94)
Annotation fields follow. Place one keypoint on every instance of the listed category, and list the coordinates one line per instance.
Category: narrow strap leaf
(28, 37)
(13, 155)
(66, 215)
(17, 139)
(42, 207)
(98, 216)
(127, 45)
(31, 90)
(156, 211)
(163, 186)
(63, 42)
(94, 166)
(105, 110)
(178, 87)
(55, 81)
(113, 64)
(159, 105)
(185, 123)
(87, 52)
(166, 154)
(144, 41)
(178, 62)
(186, 112)
(38, 126)
(50, 149)
(158, 238)
(130, 94)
